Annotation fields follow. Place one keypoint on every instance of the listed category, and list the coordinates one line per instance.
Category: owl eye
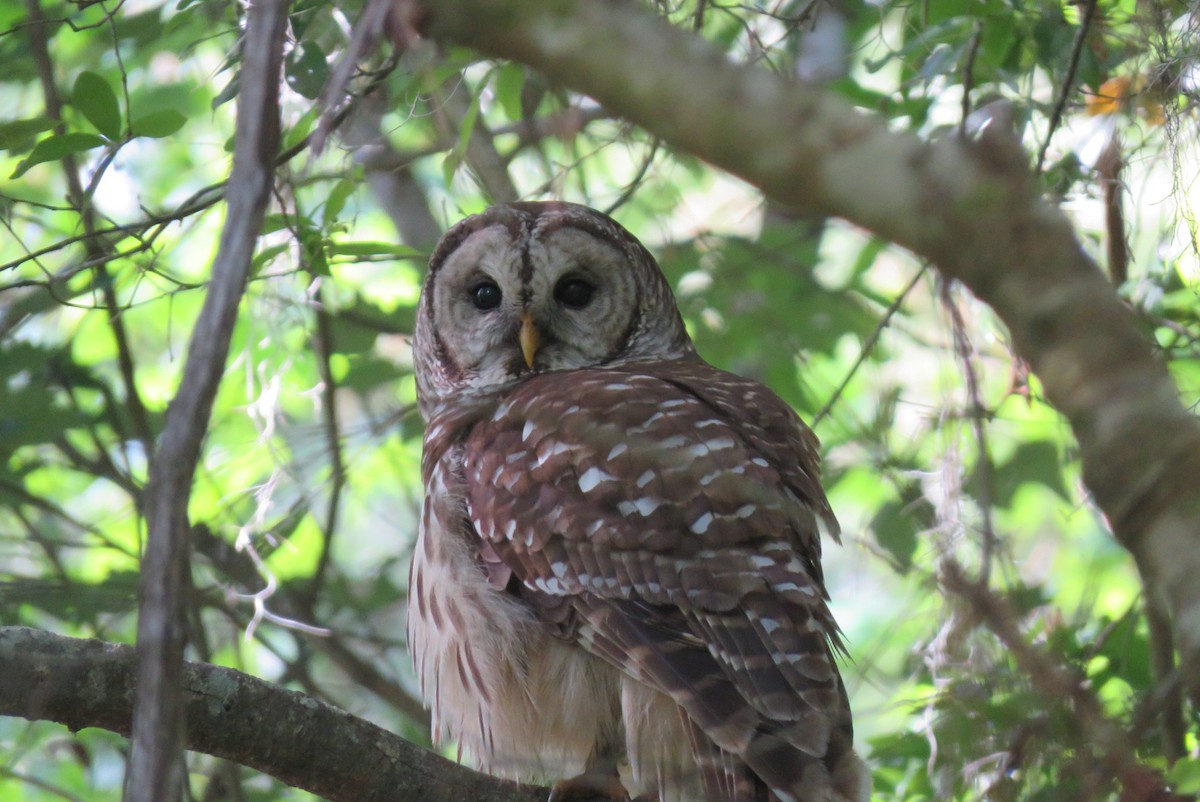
(574, 293)
(486, 295)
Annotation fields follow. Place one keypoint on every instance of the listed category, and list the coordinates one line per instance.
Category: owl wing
(666, 519)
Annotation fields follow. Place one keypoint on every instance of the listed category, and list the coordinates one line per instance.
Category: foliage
(940, 448)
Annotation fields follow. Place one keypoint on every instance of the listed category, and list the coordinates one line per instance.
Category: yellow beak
(529, 338)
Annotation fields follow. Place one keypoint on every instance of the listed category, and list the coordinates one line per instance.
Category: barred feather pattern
(619, 562)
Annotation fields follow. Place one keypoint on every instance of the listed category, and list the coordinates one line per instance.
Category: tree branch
(97, 248)
(295, 738)
(156, 767)
(972, 208)
(1057, 683)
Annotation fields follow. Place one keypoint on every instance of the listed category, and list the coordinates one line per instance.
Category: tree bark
(156, 769)
(297, 739)
(972, 208)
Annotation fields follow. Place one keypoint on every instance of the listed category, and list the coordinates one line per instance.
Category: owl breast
(519, 702)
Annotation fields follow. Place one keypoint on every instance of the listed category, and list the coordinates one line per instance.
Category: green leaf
(266, 256)
(456, 155)
(56, 146)
(899, 522)
(278, 222)
(228, 93)
(1185, 776)
(307, 70)
(1035, 462)
(1126, 645)
(509, 82)
(117, 593)
(97, 101)
(895, 531)
(314, 255)
(468, 126)
(336, 201)
(31, 416)
(368, 373)
(303, 127)
(18, 132)
(372, 249)
(450, 165)
(159, 124)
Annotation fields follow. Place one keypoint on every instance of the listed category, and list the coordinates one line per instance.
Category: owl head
(527, 288)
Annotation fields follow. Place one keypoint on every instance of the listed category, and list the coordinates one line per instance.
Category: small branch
(869, 344)
(96, 246)
(392, 182)
(1068, 83)
(323, 347)
(1058, 685)
(238, 566)
(978, 414)
(22, 494)
(450, 110)
(563, 124)
(297, 739)
(1162, 658)
(1109, 166)
(635, 183)
(333, 94)
(968, 77)
(155, 770)
(37, 782)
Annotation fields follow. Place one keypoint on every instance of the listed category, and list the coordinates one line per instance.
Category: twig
(240, 567)
(968, 77)
(207, 197)
(1092, 729)
(978, 412)
(323, 345)
(1162, 658)
(156, 770)
(95, 245)
(635, 183)
(37, 782)
(869, 344)
(23, 495)
(332, 99)
(1068, 80)
(1109, 166)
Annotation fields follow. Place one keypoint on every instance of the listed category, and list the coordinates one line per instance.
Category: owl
(617, 582)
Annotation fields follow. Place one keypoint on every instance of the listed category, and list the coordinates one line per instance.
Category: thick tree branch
(972, 208)
(294, 738)
(156, 767)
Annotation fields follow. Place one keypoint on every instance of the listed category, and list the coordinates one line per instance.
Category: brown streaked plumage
(619, 559)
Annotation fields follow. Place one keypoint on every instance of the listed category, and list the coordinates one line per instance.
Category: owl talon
(590, 785)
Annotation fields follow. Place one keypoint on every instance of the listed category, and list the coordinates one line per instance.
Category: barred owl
(618, 578)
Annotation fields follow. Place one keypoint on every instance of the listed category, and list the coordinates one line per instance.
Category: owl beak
(529, 338)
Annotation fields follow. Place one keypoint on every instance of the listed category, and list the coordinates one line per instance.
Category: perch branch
(295, 738)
